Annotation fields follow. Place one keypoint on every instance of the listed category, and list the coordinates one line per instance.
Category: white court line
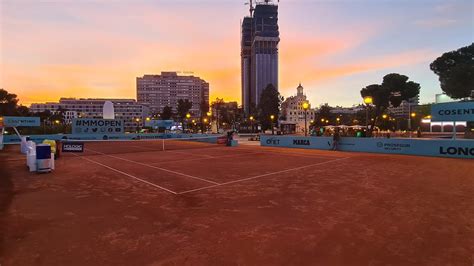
(263, 175)
(155, 167)
(129, 175)
(193, 154)
(197, 159)
(296, 154)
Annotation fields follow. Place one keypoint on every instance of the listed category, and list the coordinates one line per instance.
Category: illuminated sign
(21, 121)
(454, 111)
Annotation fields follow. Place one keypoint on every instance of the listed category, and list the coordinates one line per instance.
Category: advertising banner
(97, 126)
(426, 147)
(453, 111)
(72, 146)
(321, 143)
(21, 121)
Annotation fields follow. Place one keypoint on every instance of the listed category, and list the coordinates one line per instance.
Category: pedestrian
(335, 139)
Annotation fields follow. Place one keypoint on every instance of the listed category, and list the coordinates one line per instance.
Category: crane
(252, 8)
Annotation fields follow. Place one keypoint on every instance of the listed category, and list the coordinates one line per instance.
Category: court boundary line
(197, 159)
(156, 167)
(172, 151)
(262, 175)
(129, 175)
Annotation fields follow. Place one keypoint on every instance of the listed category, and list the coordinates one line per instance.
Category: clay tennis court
(246, 205)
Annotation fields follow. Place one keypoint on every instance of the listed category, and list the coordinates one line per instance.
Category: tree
(217, 106)
(270, 101)
(183, 108)
(9, 105)
(455, 70)
(324, 112)
(394, 89)
(167, 113)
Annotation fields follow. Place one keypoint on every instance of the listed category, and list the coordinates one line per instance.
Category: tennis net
(119, 146)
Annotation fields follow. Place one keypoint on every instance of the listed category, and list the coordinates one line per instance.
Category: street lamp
(368, 100)
(271, 118)
(138, 124)
(384, 116)
(188, 115)
(251, 123)
(305, 108)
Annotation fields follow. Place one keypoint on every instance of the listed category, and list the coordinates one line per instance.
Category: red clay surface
(238, 206)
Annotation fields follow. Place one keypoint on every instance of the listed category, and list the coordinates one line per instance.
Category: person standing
(335, 139)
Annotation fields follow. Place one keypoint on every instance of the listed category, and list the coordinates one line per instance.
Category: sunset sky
(96, 48)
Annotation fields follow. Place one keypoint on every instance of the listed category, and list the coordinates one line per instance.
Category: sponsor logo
(72, 147)
(304, 142)
(393, 146)
(466, 111)
(456, 151)
(98, 123)
(97, 126)
(273, 141)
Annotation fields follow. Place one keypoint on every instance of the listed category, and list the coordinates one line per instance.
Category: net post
(163, 141)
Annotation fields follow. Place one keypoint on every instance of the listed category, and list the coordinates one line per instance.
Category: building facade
(129, 110)
(293, 112)
(260, 37)
(405, 108)
(158, 91)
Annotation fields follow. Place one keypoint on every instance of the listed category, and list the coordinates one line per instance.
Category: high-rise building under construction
(259, 52)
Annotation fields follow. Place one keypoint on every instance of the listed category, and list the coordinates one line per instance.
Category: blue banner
(14, 139)
(461, 148)
(454, 111)
(21, 121)
(97, 126)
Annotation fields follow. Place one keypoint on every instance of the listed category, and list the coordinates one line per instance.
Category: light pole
(188, 115)
(138, 124)
(368, 101)
(305, 108)
(409, 120)
(251, 123)
(271, 119)
(205, 124)
(209, 114)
